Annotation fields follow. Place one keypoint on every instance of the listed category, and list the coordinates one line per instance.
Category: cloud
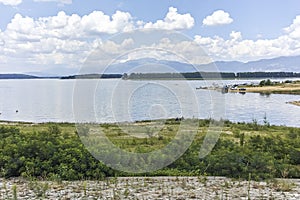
(237, 48)
(60, 39)
(235, 35)
(294, 29)
(173, 21)
(58, 1)
(11, 2)
(68, 39)
(98, 22)
(219, 17)
(93, 25)
(64, 26)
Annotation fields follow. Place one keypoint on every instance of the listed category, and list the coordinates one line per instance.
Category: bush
(267, 82)
(55, 155)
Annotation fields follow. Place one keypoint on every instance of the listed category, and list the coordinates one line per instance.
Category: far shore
(292, 87)
(296, 103)
(282, 88)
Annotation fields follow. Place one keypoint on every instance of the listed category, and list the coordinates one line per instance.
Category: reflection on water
(265, 94)
(119, 100)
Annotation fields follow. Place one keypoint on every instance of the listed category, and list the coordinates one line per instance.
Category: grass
(28, 127)
(130, 132)
(131, 136)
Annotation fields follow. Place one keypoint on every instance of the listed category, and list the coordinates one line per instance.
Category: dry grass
(296, 103)
(285, 88)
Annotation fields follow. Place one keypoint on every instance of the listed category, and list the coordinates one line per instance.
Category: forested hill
(154, 76)
(92, 76)
(25, 76)
(211, 75)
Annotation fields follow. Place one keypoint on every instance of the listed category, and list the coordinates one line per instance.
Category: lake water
(114, 100)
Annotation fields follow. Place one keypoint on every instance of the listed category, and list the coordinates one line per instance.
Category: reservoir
(116, 100)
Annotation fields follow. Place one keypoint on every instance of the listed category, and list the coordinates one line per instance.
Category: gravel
(151, 188)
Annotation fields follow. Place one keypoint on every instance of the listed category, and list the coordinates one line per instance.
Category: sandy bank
(283, 89)
(296, 103)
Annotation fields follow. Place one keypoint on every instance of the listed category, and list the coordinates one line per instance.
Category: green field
(54, 151)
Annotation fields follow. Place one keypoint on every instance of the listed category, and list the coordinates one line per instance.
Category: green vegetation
(14, 188)
(210, 75)
(274, 87)
(55, 152)
(186, 75)
(266, 83)
(267, 75)
(92, 76)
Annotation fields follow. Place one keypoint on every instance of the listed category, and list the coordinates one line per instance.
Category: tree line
(211, 75)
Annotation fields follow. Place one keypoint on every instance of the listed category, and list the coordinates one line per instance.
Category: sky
(37, 35)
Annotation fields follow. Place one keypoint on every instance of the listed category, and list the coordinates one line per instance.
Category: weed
(84, 187)
(14, 188)
(249, 186)
(126, 193)
(282, 185)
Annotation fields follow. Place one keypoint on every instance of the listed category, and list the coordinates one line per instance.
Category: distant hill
(54, 72)
(25, 76)
(92, 76)
(280, 64)
(17, 76)
(291, 63)
(151, 65)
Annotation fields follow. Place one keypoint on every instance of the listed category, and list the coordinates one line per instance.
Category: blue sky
(227, 29)
(251, 17)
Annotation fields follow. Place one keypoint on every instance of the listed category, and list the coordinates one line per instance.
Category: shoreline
(296, 103)
(141, 122)
(292, 88)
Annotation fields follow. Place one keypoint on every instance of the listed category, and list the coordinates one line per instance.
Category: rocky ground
(151, 188)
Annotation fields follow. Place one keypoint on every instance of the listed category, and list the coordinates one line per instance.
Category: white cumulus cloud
(98, 22)
(65, 26)
(236, 35)
(173, 21)
(237, 48)
(294, 29)
(60, 39)
(11, 2)
(67, 40)
(219, 17)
